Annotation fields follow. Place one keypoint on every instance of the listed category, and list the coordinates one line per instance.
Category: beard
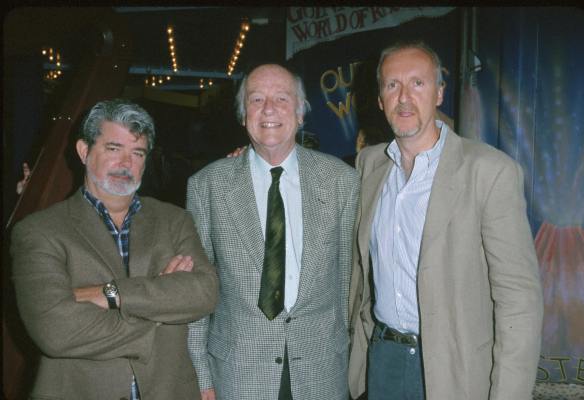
(114, 186)
(402, 133)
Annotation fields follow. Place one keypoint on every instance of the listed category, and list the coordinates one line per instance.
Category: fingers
(208, 394)
(237, 152)
(20, 185)
(178, 263)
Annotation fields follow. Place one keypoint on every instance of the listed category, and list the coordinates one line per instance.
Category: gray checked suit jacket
(238, 351)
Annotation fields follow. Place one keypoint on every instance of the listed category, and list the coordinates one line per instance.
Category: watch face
(110, 290)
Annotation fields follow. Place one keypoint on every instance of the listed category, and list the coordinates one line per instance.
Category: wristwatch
(110, 291)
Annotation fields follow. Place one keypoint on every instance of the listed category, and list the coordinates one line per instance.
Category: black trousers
(285, 387)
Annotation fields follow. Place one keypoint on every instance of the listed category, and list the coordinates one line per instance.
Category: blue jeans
(395, 370)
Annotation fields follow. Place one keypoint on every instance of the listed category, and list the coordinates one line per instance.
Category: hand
(208, 394)
(237, 152)
(24, 181)
(93, 294)
(178, 263)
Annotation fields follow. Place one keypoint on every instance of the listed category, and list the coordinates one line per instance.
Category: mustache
(122, 173)
(404, 108)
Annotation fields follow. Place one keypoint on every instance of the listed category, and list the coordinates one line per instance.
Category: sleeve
(179, 297)
(61, 327)
(515, 284)
(348, 212)
(199, 330)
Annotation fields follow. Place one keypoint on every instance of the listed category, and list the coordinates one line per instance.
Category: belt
(393, 335)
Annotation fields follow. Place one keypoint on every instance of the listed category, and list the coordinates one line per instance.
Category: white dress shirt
(291, 196)
(396, 236)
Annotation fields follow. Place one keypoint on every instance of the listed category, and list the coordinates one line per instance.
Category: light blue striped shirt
(396, 235)
(292, 198)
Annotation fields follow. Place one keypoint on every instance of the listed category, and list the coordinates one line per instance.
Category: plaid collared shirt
(122, 238)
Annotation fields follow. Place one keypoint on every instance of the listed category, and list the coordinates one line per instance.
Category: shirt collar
(430, 155)
(290, 164)
(135, 206)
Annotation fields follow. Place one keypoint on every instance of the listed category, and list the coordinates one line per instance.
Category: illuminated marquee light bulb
(172, 48)
(239, 42)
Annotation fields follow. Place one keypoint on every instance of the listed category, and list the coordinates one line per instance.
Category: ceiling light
(172, 47)
(238, 46)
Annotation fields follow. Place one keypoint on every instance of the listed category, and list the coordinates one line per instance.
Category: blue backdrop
(529, 102)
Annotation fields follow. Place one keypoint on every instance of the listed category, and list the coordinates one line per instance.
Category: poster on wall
(308, 26)
(339, 70)
(528, 102)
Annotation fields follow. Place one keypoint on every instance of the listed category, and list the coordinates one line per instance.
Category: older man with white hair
(277, 222)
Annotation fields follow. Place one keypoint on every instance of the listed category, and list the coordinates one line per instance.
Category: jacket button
(288, 320)
(278, 360)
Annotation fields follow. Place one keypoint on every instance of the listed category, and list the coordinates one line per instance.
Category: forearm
(65, 328)
(347, 218)
(197, 346)
(175, 298)
(59, 325)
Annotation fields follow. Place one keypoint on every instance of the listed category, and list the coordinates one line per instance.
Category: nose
(404, 94)
(126, 159)
(268, 107)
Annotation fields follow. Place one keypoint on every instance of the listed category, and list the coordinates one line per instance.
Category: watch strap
(110, 291)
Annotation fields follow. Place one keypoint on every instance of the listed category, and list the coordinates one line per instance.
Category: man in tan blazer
(445, 295)
(106, 281)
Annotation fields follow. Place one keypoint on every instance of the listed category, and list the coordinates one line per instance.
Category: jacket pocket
(219, 347)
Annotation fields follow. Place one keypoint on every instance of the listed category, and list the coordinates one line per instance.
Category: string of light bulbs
(54, 57)
(238, 46)
(172, 47)
(202, 83)
(159, 80)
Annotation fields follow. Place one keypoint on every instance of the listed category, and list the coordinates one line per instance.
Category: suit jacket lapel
(87, 222)
(314, 201)
(371, 188)
(141, 242)
(446, 188)
(241, 204)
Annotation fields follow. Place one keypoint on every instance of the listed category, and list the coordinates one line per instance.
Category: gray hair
(119, 111)
(411, 45)
(303, 104)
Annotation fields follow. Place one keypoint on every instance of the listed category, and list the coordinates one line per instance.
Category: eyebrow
(119, 145)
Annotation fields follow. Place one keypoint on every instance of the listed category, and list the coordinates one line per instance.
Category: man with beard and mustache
(106, 282)
(445, 296)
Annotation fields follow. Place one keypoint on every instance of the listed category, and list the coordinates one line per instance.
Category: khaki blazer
(238, 351)
(91, 353)
(479, 290)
